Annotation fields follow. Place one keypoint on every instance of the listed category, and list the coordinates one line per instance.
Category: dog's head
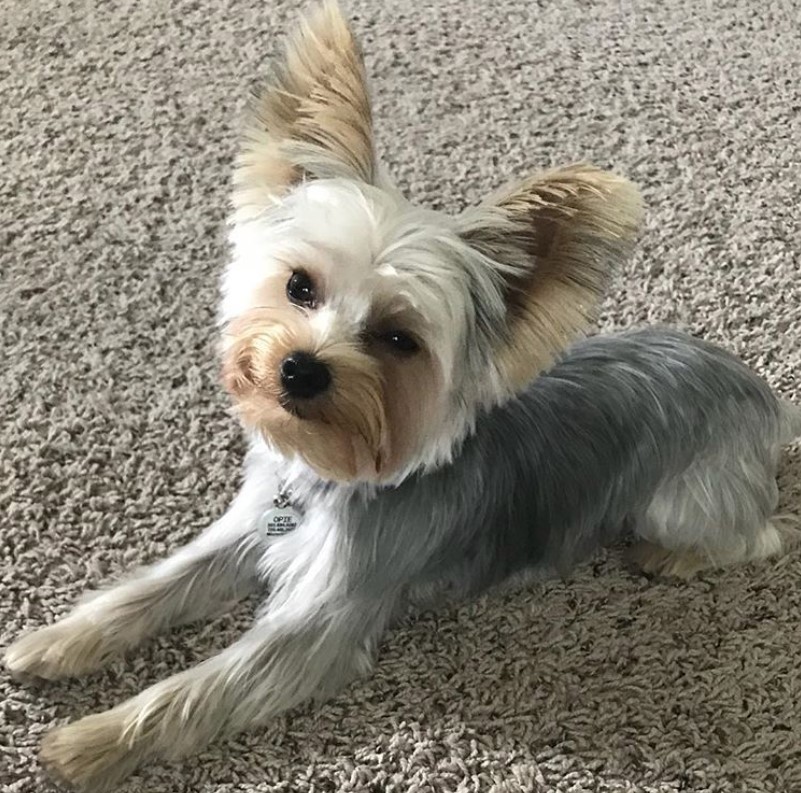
(364, 334)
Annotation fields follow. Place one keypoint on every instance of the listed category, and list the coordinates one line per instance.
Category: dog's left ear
(554, 242)
(312, 118)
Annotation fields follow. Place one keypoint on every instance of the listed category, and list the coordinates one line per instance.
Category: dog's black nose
(303, 376)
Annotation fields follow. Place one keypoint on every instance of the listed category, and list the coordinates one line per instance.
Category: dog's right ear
(311, 119)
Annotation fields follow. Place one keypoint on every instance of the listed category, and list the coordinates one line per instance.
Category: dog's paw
(71, 647)
(91, 754)
(655, 560)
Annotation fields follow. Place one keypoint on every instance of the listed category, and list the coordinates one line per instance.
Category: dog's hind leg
(200, 579)
(718, 512)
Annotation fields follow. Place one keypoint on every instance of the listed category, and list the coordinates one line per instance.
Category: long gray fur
(578, 458)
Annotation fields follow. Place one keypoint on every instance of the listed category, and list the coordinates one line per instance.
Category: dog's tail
(790, 420)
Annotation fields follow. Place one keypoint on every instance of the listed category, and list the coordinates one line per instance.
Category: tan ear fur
(312, 117)
(556, 239)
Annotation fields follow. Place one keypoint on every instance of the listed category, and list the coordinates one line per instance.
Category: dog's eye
(300, 290)
(400, 342)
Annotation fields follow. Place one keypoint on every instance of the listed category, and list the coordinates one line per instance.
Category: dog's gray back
(549, 477)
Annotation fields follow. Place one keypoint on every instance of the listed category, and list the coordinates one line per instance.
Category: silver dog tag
(280, 520)
(282, 517)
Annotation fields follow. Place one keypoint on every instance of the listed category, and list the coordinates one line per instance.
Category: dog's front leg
(301, 651)
(198, 580)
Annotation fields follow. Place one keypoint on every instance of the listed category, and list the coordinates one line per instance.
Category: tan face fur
(372, 417)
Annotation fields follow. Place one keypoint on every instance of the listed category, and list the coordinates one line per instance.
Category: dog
(428, 418)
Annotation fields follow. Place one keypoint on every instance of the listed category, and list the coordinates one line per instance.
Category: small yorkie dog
(425, 423)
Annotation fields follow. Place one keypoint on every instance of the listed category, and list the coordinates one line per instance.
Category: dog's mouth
(302, 409)
(290, 406)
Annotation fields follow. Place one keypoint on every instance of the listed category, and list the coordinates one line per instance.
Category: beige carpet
(118, 126)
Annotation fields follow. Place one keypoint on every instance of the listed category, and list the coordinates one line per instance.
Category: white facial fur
(378, 253)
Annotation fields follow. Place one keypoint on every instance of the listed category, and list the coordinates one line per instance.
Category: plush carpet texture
(119, 124)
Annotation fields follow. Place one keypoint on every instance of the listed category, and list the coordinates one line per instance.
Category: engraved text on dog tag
(280, 520)
(282, 517)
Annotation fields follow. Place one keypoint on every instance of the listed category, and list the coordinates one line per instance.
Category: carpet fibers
(119, 123)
